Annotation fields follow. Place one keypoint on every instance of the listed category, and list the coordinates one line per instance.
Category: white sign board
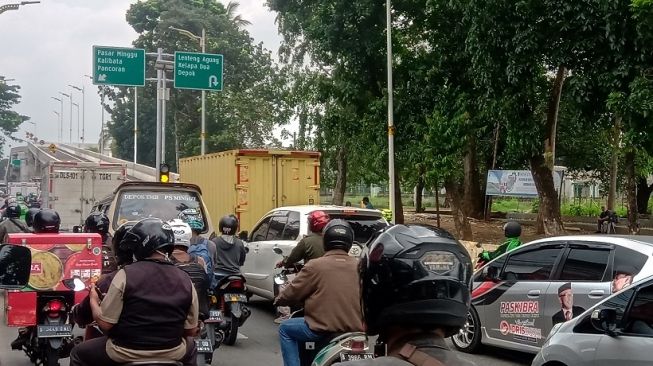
(517, 183)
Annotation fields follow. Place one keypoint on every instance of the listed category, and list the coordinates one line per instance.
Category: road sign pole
(135, 123)
(163, 118)
(159, 94)
(102, 123)
(70, 126)
(203, 136)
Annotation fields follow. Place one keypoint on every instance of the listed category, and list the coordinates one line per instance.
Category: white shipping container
(72, 188)
(24, 188)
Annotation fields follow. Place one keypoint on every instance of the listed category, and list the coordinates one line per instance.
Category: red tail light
(54, 307)
(358, 346)
(236, 284)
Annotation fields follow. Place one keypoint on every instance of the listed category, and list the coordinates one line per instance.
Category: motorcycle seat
(153, 363)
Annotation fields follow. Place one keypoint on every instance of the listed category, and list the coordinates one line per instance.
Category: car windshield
(364, 226)
(135, 205)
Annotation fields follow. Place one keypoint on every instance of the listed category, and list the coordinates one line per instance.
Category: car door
(515, 317)
(280, 234)
(632, 346)
(582, 280)
(250, 269)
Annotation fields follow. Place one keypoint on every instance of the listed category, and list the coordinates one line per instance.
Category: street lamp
(60, 118)
(102, 126)
(33, 127)
(202, 40)
(8, 7)
(77, 106)
(70, 96)
(83, 90)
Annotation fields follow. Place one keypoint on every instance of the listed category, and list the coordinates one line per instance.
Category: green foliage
(9, 119)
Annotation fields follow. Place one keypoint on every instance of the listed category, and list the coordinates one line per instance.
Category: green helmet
(195, 224)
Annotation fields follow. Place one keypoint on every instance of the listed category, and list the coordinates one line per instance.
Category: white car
(617, 331)
(284, 227)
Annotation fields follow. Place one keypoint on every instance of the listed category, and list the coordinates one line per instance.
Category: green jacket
(508, 245)
(310, 247)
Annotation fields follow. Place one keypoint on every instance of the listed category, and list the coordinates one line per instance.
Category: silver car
(619, 330)
(284, 227)
(518, 297)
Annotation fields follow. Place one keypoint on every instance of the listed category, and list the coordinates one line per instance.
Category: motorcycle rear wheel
(51, 356)
(231, 332)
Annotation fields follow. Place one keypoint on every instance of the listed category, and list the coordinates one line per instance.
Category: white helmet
(182, 232)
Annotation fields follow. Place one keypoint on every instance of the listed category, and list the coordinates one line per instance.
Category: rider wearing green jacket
(512, 231)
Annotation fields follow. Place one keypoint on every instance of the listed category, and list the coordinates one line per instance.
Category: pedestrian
(365, 203)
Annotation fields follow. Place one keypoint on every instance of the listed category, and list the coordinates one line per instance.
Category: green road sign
(198, 71)
(118, 66)
(15, 162)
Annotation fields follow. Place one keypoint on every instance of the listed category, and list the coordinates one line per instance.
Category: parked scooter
(231, 295)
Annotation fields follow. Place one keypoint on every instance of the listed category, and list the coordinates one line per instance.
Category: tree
(9, 120)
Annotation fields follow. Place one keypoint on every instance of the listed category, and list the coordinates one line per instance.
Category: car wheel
(468, 339)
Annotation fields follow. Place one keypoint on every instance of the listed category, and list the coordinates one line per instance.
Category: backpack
(200, 280)
(201, 249)
(418, 358)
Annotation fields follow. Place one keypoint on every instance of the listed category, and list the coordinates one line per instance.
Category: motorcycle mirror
(277, 250)
(77, 229)
(15, 266)
(76, 284)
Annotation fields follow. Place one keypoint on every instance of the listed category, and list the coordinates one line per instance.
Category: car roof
(610, 239)
(306, 209)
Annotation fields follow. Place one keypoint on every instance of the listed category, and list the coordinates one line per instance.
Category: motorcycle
(212, 326)
(232, 298)
(52, 337)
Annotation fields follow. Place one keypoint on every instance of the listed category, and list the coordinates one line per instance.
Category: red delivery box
(54, 257)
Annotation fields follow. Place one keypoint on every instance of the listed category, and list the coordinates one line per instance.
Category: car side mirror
(15, 266)
(77, 229)
(605, 320)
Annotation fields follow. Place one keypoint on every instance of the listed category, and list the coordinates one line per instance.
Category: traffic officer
(415, 292)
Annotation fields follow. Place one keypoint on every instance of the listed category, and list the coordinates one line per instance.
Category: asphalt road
(257, 345)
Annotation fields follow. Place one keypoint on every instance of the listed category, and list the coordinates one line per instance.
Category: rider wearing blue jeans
(329, 289)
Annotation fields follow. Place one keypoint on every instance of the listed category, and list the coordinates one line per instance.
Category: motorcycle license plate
(54, 331)
(203, 346)
(355, 356)
(235, 297)
(214, 316)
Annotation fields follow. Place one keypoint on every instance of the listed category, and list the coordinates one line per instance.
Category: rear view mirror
(605, 320)
(75, 284)
(77, 229)
(15, 266)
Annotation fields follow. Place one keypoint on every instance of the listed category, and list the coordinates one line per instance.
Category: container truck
(249, 183)
(72, 188)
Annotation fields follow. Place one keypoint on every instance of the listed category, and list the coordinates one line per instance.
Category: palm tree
(237, 19)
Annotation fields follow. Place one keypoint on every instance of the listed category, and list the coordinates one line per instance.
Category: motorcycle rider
(328, 287)
(150, 308)
(309, 247)
(512, 231)
(81, 313)
(230, 255)
(98, 222)
(415, 292)
(194, 266)
(29, 218)
(13, 223)
(45, 222)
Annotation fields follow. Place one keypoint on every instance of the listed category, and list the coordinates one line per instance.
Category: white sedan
(284, 227)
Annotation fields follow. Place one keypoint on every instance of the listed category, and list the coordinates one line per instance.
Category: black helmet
(148, 236)
(13, 211)
(29, 217)
(512, 229)
(46, 221)
(338, 234)
(228, 225)
(123, 254)
(415, 276)
(97, 222)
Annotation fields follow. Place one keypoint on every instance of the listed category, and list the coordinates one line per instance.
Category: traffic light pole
(159, 94)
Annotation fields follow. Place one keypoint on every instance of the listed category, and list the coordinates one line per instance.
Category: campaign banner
(516, 183)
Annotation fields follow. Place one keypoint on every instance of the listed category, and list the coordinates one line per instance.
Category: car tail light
(54, 307)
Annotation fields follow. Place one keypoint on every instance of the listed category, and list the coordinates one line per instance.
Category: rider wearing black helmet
(230, 254)
(512, 231)
(47, 221)
(415, 292)
(29, 217)
(13, 223)
(150, 308)
(98, 222)
(328, 288)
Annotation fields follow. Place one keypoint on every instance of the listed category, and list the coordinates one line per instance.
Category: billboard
(516, 183)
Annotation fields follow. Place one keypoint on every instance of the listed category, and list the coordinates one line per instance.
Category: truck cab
(134, 201)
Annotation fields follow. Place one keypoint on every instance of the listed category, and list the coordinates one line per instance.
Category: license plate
(355, 356)
(235, 297)
(203, 346)
(214, 316)
(54, 331)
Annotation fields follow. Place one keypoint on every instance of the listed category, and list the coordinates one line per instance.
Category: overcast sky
(47, 46)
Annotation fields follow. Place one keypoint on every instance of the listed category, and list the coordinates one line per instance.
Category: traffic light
(164, 173)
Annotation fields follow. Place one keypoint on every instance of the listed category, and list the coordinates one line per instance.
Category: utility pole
(391, 126)
(60, 118)
(82, 89)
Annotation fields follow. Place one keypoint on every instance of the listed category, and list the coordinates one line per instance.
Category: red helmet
(317, 220)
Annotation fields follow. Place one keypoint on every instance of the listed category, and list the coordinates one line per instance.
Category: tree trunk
(616, 139)
(549, 221)
(473, 201)
(643, 195)
(460, 219)
(437, 201)
(631, 194)
(341, 177)
(301, 138)
(552, 118)
(399, 208)
(418, 192)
